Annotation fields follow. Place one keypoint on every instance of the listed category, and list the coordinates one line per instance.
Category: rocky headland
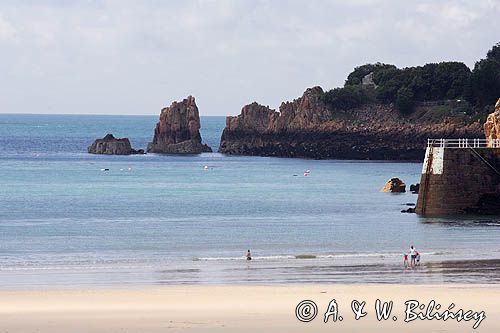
(109, 145)
(308, 127)
(178, 130)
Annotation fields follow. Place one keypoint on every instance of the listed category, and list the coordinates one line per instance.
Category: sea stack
(178, 130)
(109, 145)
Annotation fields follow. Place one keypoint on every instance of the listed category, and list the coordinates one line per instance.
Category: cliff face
(178, 131)
(307, 128)
(492, 124)
(109, 145)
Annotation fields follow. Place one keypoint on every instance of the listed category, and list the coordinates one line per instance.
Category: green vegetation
(485, 80)
(404, 100)
(445, 81)
(347, 98)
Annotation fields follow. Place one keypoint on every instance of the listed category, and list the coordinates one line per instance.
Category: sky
(135, 57)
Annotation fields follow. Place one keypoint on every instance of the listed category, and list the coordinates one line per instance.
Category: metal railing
(464, 143)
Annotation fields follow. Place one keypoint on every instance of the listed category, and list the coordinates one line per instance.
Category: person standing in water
(249, 255)
(413, 256)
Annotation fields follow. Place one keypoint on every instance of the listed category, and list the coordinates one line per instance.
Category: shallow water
(159, 219)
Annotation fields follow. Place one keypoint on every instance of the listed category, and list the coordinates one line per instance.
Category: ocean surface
(162, 219)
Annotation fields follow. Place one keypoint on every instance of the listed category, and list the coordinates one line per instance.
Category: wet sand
(236, 308)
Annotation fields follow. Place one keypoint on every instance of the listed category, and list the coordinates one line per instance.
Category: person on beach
(418, 258)
(413, 256)
(406, 260)
(249, 255)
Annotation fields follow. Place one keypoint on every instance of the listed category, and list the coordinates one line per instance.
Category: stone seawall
(460, 181)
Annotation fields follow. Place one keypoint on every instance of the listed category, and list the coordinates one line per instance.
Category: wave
(318, 256)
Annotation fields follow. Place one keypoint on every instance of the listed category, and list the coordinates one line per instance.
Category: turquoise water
(160, 219)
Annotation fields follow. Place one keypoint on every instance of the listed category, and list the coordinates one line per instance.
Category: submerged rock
(414, 188)
(178, 130)
(394, 185)
(109, 145)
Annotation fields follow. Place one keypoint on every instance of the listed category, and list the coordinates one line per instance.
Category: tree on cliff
(356, 76)
(404, 100)
(431, 82)
(485, 79)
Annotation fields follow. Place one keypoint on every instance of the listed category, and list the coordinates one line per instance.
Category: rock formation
(178, 131)
(394, 185)
(492, 124)
(109, 145)
(307, 128)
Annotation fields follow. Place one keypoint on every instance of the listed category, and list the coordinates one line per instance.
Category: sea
(72, 219)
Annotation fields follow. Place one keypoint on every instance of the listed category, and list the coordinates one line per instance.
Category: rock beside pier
(492, 124)
(109, 145)
(394, 185)
(178, 130)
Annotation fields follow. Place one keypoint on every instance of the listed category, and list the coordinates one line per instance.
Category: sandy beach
(237, 308)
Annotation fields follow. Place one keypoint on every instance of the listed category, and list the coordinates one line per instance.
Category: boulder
(414, 188)
(178, 130)
(394, 185)
(492, 124)
(109, 145)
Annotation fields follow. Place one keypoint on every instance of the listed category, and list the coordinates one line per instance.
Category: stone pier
(460, 177)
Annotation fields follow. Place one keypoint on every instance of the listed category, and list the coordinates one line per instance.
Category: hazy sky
(133, 57)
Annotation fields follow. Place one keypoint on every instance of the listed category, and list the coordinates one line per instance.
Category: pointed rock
(178, 130)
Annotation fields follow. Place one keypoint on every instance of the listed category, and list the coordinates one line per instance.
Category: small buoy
(129, 169)
(121, 169)
(308, 171)
(305, 174)
(205, 167)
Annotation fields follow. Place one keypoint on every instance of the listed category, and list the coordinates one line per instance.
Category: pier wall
(459, 181)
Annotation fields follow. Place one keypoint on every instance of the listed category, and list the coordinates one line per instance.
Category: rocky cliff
(178, 131)
(307, 128)
(109, 145)
(492, 124)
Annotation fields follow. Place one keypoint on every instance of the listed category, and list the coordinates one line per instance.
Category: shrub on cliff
(346, 98)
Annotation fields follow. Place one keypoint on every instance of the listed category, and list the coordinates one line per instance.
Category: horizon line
(90, 114)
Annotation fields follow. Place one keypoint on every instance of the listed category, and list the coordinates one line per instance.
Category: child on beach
(249, 255)
(406, 260)
(418, 258)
